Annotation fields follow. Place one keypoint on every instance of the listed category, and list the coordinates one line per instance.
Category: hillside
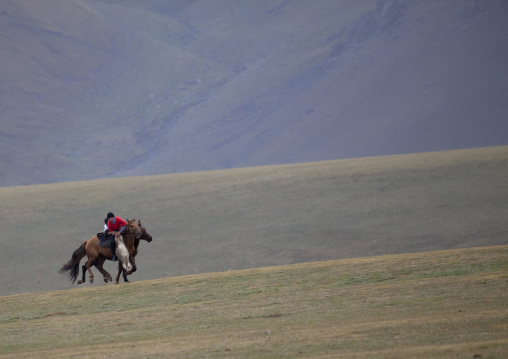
(445, 304)
(243, 218)
(101, 88)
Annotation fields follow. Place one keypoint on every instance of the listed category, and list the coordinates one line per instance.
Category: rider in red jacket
(116, 226)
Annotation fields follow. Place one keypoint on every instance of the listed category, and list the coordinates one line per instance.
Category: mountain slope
(94, 89)
(382, 82)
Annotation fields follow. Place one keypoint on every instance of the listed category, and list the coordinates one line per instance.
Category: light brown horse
(144, 236)
(98, 254)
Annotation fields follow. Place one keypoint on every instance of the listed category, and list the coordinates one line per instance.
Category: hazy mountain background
(95, 89)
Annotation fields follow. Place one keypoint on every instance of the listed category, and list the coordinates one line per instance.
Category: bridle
(134, 231)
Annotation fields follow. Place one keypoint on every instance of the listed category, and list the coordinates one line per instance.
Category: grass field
(262, 216)
(444, 304)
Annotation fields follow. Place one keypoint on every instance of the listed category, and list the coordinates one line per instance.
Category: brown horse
(98, 254)
(144, 236)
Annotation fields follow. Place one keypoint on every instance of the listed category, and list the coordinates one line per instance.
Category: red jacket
(119, 223)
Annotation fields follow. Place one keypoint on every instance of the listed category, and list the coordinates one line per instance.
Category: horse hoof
(81, 281)
(91, 280)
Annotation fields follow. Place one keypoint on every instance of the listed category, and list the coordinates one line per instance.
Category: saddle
(106, 240)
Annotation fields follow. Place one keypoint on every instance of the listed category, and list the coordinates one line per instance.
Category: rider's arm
(122, 229)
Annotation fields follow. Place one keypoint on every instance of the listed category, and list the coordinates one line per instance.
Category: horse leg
(83, 270)
(106, 276)
(125, 274)
(125, 279)
(88, 264)
(120, 270)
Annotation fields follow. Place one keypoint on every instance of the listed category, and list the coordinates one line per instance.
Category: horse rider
(115, 226)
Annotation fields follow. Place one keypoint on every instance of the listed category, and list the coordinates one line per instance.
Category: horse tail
(72, 266)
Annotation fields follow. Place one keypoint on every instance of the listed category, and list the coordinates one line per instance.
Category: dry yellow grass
(446, 304)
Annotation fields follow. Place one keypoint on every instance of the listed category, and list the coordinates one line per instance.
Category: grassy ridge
(436, 304)
(264, 216)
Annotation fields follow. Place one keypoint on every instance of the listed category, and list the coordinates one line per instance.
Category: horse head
(144, 234)
(133, 228)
